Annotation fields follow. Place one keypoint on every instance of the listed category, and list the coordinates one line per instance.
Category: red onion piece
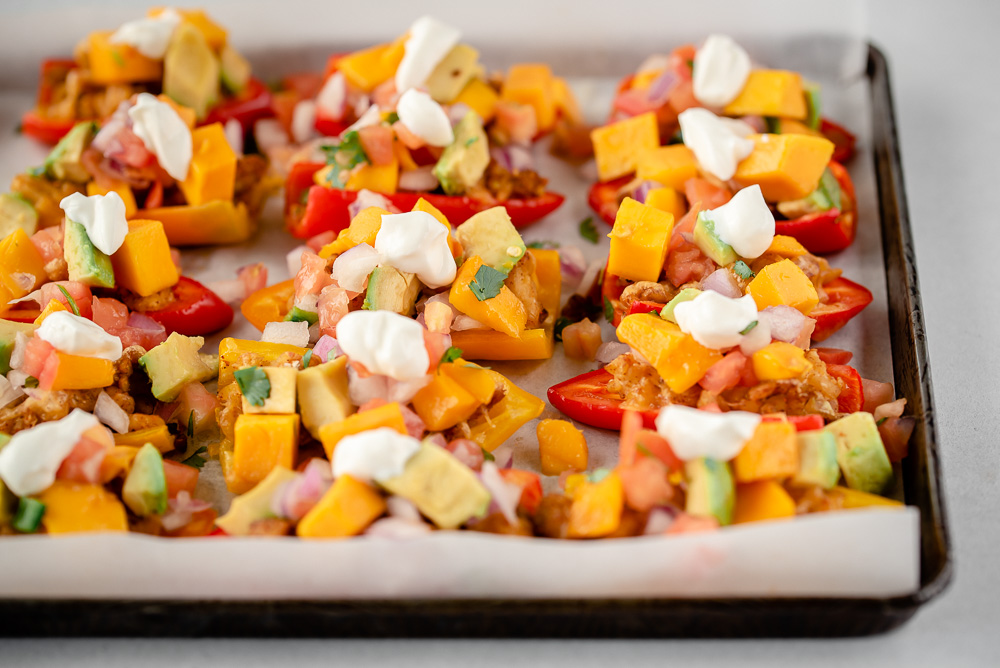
(503, 457)
(402, 509)
(501, 156)
(367, 198)
(877, 394)
(893, 409)
(723, 282)
(415, 427)
(394, 528)
(755, 122)
(110, 413)
(327, 349)
(404, 390)
(786, 323)
(521, 158)
(609, 351)
(505, 496)
(572, 263)
(231, 291)
(9, 393)
(181, 509)
(418, 180)
(457, 112)
(468, 452)
(660, 89)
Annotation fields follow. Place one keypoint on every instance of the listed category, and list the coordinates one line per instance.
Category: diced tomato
(48, 242)
(657, 446)
(437, 345)
(180, 478)
(681, 59)
(254, 277)
(517, 121)
(109, 313)
(834, 355)
(283, 107)
(687, 263)
(876, 393)
(725, 374)
(682, 97)
(852, 396)
(800, 422)
(377, 140)
(333, 305)
(895, 433)
(194, 398)
(531, 487)
(691, 524)
(36, 354)
(78, 291)
(645, 484)
(312, 277)
(633, 102)
(707, 193)
(83, 464)
(305, 84)
(631, 425)
(317, 242)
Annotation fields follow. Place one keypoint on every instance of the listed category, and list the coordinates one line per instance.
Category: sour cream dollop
(744, 222)
(715, 321)
(103, 216)
(378, 454)
(417, 242)
(28, 463)
(719, 144)
(164, 133)
(149, 36)
(425, 118)
(386, 343)
(721, 68)
(694, 433)
(74, 335)
(429, 42)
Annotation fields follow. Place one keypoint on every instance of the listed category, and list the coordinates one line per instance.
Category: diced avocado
(706, 239)
(301, 315)
(255, 504)
(685, 295)
(234, 69)
(392, 290)
(28, 516)
(190, 70)
(860, 453)
(817, 459)
(17, 213)
(490, 235)
(8, 338)
(65, 162)
(84, 261)
(813, 105)
(145, 488)
(452, 73)
(323, 395)
(827, 193)
(175, 363)
(441, 487)
(281, 398)
(463, 163)
(711, 492)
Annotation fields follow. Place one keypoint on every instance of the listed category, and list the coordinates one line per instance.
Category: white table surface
(943, 66)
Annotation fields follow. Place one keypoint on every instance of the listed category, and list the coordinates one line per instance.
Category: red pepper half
(195, 311)
(843, 141)
(249, 106)
(586, 399)
(827, 231)
(604, 200)
(311, 209)
(45, 130)
(852, 396)
(846, 299)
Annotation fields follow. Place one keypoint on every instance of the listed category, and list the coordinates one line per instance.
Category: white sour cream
(425, 118)
(149, 36)
(721, 68)
(429, 42)
(28, 463)
(744, 222)
(417, 242)
(103, 216)
(719, 145)
(386, 343)
(694, 433)
(164, 133)
(715, 321)
(378, 454)
(74, 335)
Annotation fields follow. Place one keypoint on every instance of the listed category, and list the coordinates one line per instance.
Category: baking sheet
(858, 553)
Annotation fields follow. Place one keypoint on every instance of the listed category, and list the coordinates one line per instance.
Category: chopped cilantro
(743, 270)
(561, 324)
(471, 140)
(69, 298)
(344, 157)
(587, 230)
(29, 515)
(690, 63)
(196, 460)
(307, 358)
(879, 423)
(487, 455)
(772, 124)
(190, 430)
(30, 382)
(609, 310)
(676, 138)
(392, 118)
(304, 197)
(117, 57)
(655, 312)
(254, 384)
(749, 328)
(542, 244)
(487, 283)
(451, 355)
(643, 449)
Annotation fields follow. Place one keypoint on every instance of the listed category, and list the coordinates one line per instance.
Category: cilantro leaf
(772, 124)
(190, 430)
(307, 358)
(344, 157)
(31, 382)
(69, 298)
(743, 270)
(748, 328)
(392, 118)
(879, 423)
(487, 283)
(450, 355)
(471, 140)
(254, 384)
(609, 310)
(561, 324)
(196, 460)
(543, 244)
(587, 230)
(487, 455)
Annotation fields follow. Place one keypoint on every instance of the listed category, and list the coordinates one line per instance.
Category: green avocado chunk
(711, 492)
(464, 162)
(191, 70)
(861, 454)
(145, 488)
(392, 290)
(84, 261)
(17, 213)
(492, 236)
(706, 239)
(175, 363)
(65, 161)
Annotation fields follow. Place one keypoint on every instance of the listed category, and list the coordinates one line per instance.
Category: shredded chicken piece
(646, 291)
(641, 387)
(44, 195)
(154, 302)
(504, 184)
(524, 284)
(45, 407)
(815, 392)
(254, 182)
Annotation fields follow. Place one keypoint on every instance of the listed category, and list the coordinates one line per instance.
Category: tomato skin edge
(196, 311)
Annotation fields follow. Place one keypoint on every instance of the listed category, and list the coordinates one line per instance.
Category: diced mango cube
(363, 229)
(209, 224)
(667, 199)
(597, 508)
(346, 509)
(532, 84)
(763, 500)
(443, 403)
(53, 306)
(670, 165)
(772, 453)
(378, 178)
(565, 101)
(159, 436)
(617, 146)
(779, 361)
(388, 415)
(368, 68)
(480, 97)
(489, 344)
(506, 416)
(75, 372)
(855, 498)
(212, 172)
(143, 263)
(677, 357)
(786, 246)
(561, 447)
(262, 442)
(22, 268)
(504, 312)
(123, 190)
(74, 507)
(785, 167)
(232, 351)
(474, 379)
(783, 283)
(776, 93)
(283, 391)
(213, 33)
(549, 273)
(639, 241)
(112, 64)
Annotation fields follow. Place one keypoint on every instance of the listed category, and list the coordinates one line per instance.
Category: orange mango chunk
(779, 361)
(597, 508)
(143, 263)
(21, 267)
(346, 509)
(618, 146)
(561, 446)
(786, 246)
(112, 64)
(532, 84)
(506, 416)
(363, 229)
(73, 507)
(549, 274)
(474, 379)
(212, 173)
(159, 436)
(480, 97)
(764, 500)
(388, 415)
(209, 224)
(379, 178)
(772, 453)
(776, 93)
(261, 443)
(368, 68)
(785, 167)
(639, 241)
(783, 283)
(667, 199)
(74, 372)
(670, 165)
(213, 33)
(53, 306)
(676, 356)
(443, 403)
(487, 344)
(854, 498)
(123, 190)
(504, 313)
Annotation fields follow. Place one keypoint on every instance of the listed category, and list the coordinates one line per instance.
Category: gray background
(943, 59)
